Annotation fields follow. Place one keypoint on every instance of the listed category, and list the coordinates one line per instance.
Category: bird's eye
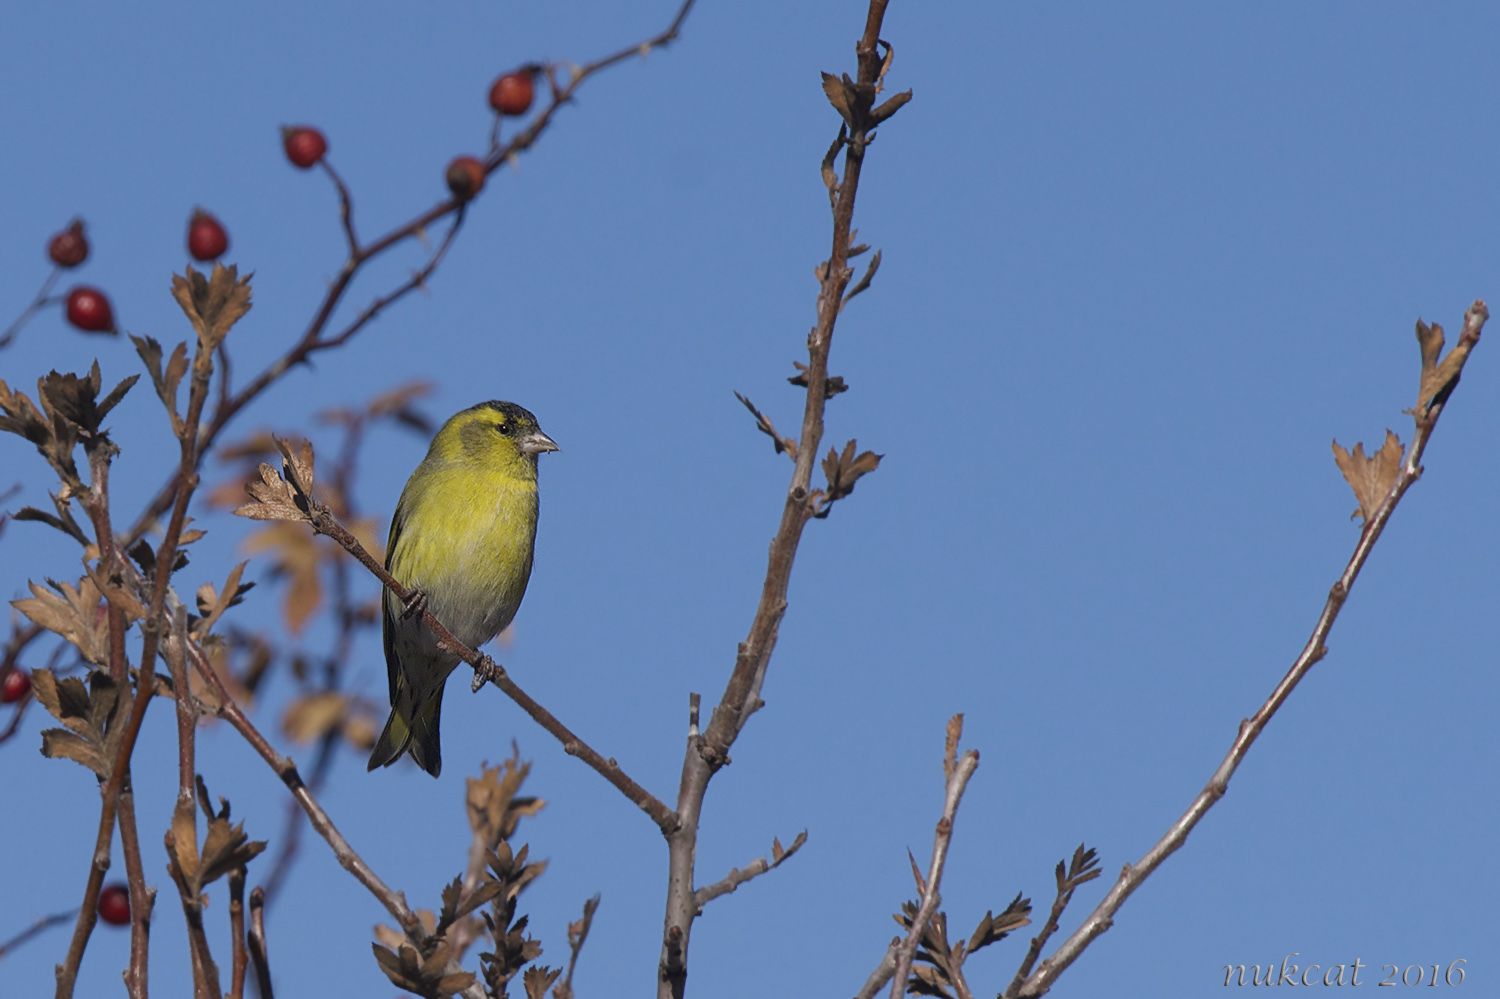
(505, 428)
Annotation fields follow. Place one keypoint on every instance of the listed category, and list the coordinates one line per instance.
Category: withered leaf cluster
(212, 304)
(70, 413)
(426, 976)
(514, 949)
(494, 805)
(1439, 376)
(937, 969)
(225, 847)
(842, 470)
(93, 715)
(284, 495)
(166, 380)
(854, 101)
(495, 808)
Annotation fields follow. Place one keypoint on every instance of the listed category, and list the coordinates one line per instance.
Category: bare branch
(739, 876)
(578, 932)
(257, 944)
(1438, 381)
(241, 956)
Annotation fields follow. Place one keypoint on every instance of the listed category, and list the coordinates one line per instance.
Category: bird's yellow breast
(465, 537)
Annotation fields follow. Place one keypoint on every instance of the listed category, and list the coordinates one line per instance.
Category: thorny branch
(1438, 382)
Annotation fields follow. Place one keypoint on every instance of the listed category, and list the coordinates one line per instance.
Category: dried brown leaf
(764, 426)
(313, 715)
(841, 95)
(273, 498)
(1439, 376)
(73, 613)
(93, 716)
(212, 304)
(212, 604)
(297, 554)
(842, 471)
(225, 848)
(1371, 477)
(538, 979)
(165, 380)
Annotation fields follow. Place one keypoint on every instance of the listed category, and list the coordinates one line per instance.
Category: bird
(461, 542)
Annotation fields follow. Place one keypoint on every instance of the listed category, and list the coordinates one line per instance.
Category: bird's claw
(415, 604)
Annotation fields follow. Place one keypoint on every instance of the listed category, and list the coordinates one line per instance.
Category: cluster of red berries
(87, 307)
(510, 95)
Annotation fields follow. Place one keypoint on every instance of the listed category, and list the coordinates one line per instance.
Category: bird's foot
(486, 670)
(416, 603)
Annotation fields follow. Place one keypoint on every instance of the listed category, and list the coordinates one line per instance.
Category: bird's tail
(411, 727)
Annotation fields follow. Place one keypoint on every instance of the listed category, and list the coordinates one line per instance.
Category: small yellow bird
(462, 536)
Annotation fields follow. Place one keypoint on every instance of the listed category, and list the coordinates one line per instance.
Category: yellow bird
(462, 537)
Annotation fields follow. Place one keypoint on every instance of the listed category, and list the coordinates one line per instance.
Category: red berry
(69, 248)
(15, 685)
(465, 177)
(513, 92)
(305, 146)
(114, 905)
(206, 238)
(89, 310)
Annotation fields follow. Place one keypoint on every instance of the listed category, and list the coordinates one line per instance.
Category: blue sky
(1141, 264)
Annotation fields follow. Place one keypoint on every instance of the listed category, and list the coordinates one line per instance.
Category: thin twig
(577, 933)
(258, 954)
(41, 300)
(45, 923)
(394, 901)
(237, 933)
(1131, 877)
(738, 876)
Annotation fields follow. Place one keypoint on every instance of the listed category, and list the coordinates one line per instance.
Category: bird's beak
(536, 442)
